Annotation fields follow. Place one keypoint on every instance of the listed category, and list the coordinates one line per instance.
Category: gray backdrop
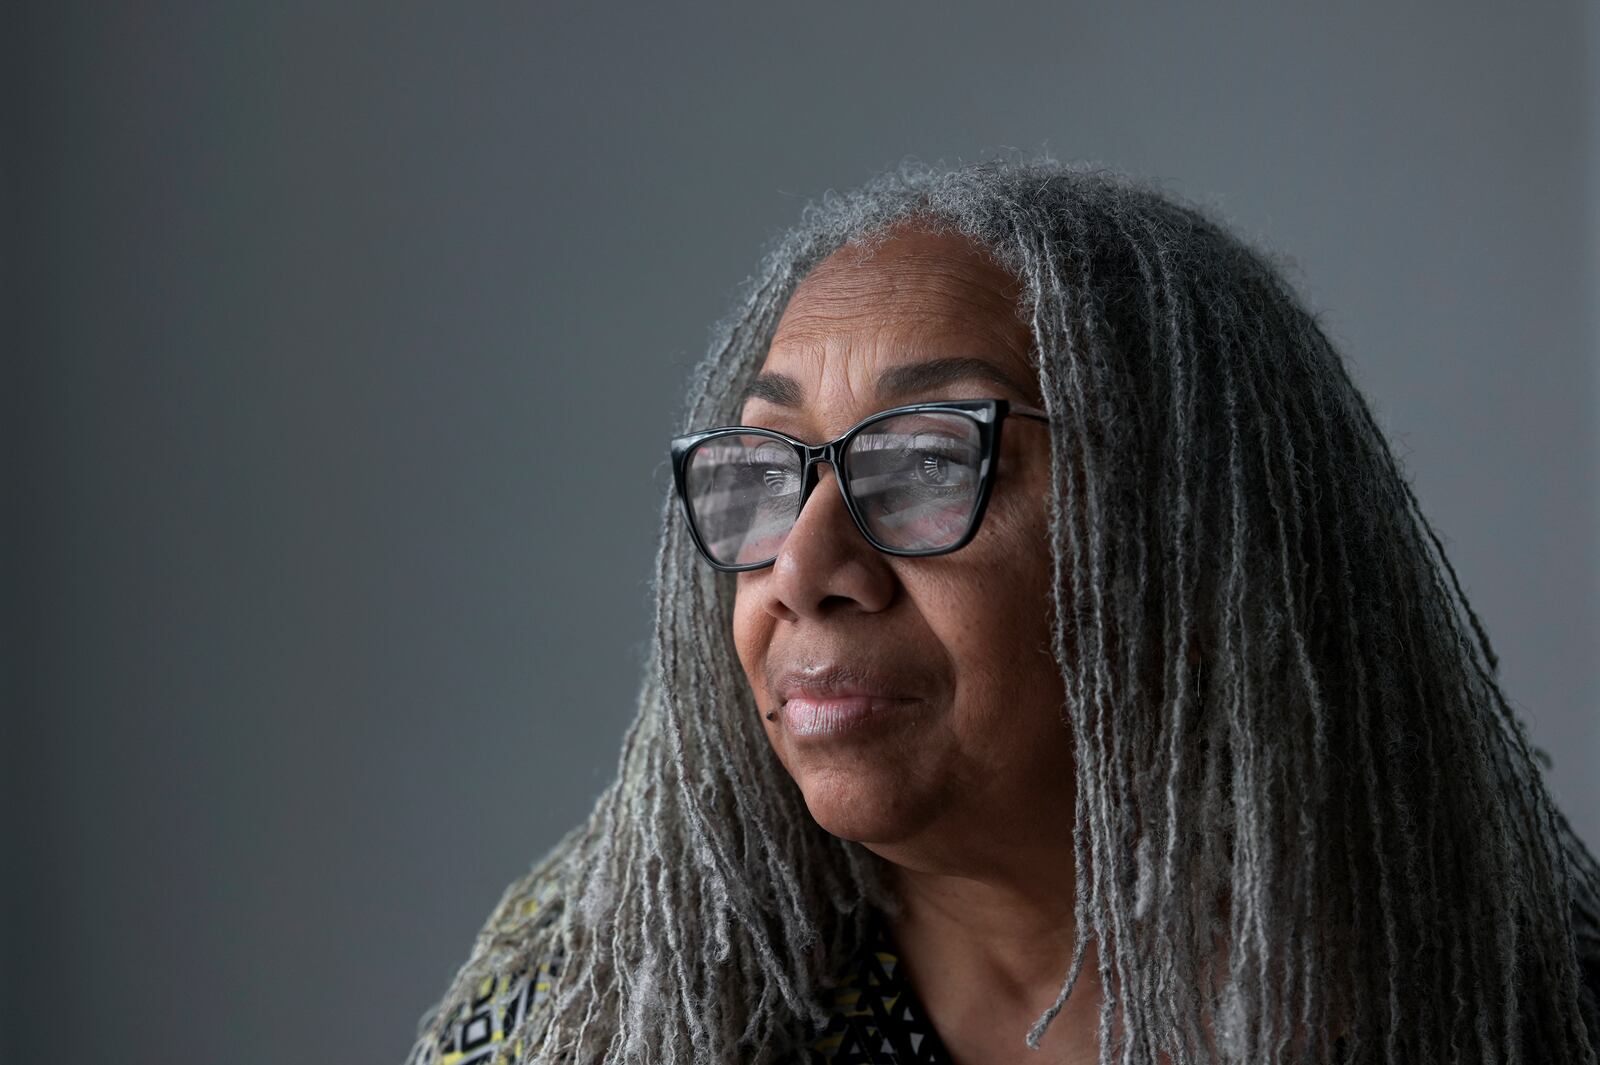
(344, 346)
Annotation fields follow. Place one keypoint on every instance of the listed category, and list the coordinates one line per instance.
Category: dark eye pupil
(933, 468)
(775, 480)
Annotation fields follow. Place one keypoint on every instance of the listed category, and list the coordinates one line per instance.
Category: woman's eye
(771, 465)
(932, 468)
(939, 468)
(777, 481)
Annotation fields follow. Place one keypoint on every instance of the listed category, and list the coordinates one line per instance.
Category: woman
(1114, 699)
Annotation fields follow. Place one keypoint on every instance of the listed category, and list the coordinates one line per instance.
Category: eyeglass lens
(914, 478)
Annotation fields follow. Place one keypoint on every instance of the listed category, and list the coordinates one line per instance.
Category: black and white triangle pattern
(877, 1019)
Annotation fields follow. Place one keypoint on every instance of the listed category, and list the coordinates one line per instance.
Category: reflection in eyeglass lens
(744, 492)
(914, 478)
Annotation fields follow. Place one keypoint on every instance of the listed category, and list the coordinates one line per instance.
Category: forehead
(917, 297)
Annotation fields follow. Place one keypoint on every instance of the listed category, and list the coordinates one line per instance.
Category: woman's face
(941, 665)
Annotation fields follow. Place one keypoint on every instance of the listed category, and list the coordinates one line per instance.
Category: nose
(825, 564)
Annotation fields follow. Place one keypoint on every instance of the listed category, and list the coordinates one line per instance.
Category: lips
(839, 680)
(839, 697)
(835, 717)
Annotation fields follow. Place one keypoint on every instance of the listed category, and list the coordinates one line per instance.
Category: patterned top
(875, 1018)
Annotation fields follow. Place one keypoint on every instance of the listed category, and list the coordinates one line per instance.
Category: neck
(986, 946)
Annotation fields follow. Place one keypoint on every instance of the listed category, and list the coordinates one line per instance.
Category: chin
(864, 807)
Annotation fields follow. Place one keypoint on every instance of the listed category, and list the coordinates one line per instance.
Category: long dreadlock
(1335, 825)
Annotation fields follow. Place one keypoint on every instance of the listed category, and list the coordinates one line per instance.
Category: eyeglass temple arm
(1024, 411)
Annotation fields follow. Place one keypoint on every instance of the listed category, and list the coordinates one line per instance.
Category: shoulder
(487, 1029)
(485, 1026)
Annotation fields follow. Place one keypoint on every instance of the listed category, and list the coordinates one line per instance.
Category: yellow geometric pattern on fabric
(874, 1016)
(478, 1033)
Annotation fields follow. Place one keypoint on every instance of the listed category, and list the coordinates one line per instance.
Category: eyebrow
(897, 382)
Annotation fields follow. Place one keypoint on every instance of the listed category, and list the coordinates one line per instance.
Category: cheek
(752, 632)
(994, 614)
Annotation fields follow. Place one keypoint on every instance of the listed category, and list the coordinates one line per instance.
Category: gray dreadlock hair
(1335, 824)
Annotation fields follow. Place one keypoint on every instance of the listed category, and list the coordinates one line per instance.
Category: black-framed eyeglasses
(915, 479)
